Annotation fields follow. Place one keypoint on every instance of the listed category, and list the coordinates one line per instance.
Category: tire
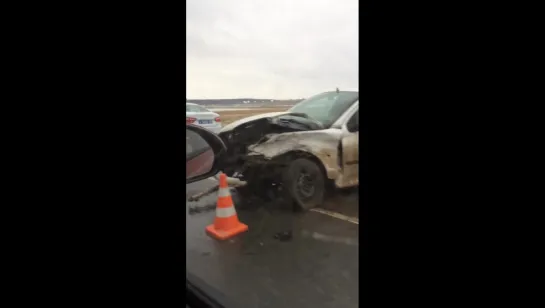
(304, 183)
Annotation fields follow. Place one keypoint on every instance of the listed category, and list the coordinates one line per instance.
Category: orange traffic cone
(226, 223)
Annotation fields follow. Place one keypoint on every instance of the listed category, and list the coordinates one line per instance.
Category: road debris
(284, 236)
(201, 209)
(232, 182)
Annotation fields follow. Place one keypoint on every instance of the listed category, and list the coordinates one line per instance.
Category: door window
(353, 125)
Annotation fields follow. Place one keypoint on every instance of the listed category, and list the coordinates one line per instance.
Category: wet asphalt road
(318, 267)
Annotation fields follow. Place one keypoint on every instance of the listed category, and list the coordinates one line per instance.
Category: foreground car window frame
(215, 144)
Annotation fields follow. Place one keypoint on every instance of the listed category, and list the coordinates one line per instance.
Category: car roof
(342, 92)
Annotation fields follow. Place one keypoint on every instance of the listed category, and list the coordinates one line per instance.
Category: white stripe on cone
(224, 192)
(222, 212)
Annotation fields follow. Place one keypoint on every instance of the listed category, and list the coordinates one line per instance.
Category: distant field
(229, 116)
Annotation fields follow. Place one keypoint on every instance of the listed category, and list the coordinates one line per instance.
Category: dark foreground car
(203, 154)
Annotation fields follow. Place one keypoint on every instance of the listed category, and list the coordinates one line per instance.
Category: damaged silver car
(298, 154)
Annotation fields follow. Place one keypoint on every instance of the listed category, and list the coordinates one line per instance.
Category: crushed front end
(238, 138)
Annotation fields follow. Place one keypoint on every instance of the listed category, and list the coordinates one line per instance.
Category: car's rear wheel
(304, 181)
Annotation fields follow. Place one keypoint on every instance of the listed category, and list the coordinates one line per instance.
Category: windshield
(326, 107)
(195, 108)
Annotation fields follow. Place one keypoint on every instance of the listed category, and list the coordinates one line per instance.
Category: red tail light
(218, 119)
(190, 120)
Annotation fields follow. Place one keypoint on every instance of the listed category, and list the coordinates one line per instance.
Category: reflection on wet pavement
(286, 259)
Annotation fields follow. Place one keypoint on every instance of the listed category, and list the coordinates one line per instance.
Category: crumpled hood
(233, 125)
(256, 129)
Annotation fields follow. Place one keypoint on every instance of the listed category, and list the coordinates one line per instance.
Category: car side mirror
(204, 152)
(353, 126)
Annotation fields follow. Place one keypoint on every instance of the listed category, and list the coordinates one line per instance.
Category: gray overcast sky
(270, 48)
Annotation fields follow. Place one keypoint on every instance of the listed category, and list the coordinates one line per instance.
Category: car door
(350, 150)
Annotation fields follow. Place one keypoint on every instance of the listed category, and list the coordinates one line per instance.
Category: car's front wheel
(304, 181)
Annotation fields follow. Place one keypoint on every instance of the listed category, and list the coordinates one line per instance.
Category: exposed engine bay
(256, 132)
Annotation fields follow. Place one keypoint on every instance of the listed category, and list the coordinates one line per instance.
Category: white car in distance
(200, 116)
